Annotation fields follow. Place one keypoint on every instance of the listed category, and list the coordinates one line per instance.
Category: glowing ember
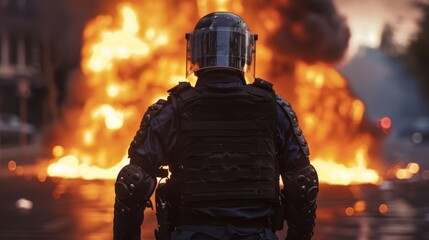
(127, 68)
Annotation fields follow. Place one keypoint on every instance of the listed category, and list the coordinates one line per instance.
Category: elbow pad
(134, 186)
(300, 189)
(133, 189)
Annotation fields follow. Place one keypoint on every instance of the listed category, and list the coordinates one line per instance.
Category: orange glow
(207, 6)
(360, 206)
(130, 61)
(349, 211)
(57, 151)
(19, 170)
(11, 165)
(383, 208)
(405, 173)
(413, 167)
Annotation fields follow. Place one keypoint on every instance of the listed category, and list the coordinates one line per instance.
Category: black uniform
(226, 144)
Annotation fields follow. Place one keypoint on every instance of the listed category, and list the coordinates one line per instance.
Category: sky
(366, 19)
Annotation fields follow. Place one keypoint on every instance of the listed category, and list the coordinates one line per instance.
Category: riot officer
(225, 143)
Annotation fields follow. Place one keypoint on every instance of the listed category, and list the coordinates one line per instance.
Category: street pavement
(69, 209)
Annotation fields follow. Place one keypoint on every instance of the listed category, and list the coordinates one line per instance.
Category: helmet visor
(221, 47)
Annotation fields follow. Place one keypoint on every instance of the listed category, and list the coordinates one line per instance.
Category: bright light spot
(113, 119)
(332, 172)
(372, 39)
(417, 137)
(11, 165)
(318, 81)
(383, 208)
(106, 52)
(97, 65)
(70, 166)
(408, 172)
(413, 167)
(66, 166)
(130, 20)
(114, 122)
(118, 44)
(24, 204)
(150, 33)
(403, 174)
(161, 40)
(358, 109)
(360, 206)
(310, 74)
(386, 123)
(58, 151)
(88, 138)
(123, 52)
(350, 211)
(113, 90)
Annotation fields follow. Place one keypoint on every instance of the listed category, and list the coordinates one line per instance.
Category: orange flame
(108, 111)
(331, 118)
(129, 67)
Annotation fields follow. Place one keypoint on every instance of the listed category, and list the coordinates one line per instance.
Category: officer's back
(226, 144)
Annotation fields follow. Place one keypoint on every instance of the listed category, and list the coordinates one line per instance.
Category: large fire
(129, 63)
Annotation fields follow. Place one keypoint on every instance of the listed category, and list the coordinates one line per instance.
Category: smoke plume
(312, 31)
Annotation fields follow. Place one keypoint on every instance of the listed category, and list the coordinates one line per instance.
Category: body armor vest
(226, 140)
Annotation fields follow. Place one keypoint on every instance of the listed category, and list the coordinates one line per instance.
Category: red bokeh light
(386, 123)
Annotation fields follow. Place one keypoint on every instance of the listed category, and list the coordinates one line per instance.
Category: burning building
(131, 58)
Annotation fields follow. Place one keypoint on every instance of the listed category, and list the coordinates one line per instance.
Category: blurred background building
(22, 83)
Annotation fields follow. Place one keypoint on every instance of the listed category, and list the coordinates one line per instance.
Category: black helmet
(220, 40)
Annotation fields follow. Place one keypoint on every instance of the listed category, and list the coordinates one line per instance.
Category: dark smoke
(312, 30)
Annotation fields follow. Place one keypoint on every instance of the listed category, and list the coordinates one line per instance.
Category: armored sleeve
(155, 139)
(299, 176)
(136, 182)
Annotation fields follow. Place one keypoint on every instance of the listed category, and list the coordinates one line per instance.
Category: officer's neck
(219, 76)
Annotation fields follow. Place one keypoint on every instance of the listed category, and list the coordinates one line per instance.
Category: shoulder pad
(287, 107)
(184, 90)
(151, 112)
(182, 86)
(263, 84)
